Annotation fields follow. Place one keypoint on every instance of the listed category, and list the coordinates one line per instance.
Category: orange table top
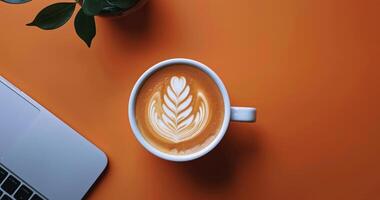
(310, 67)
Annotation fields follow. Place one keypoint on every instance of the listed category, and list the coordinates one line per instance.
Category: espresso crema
(179, 109)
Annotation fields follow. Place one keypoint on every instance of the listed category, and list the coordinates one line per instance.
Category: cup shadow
(217, 169)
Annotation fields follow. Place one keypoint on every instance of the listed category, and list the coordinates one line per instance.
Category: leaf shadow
(122, 41)
(134, 27)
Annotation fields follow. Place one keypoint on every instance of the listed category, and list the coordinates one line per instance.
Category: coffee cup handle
(243, 114)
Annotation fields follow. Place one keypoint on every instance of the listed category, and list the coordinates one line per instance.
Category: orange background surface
(311, 68)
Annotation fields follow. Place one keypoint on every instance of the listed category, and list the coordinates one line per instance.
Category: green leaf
(53, 16)
(85, 27)
(16, 1)
(93, 7)
(125, 4)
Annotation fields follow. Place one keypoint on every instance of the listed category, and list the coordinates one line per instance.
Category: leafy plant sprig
(57, 14)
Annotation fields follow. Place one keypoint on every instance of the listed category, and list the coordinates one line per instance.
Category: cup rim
(132, 103)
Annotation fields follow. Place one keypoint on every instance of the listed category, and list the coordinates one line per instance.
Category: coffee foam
(175, 118)
(193, 149)
(179, 110)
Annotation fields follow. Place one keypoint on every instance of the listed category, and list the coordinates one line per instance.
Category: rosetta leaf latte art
(178, 122)
(174, 104)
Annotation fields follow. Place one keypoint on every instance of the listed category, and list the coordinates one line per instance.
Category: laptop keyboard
(12, 188)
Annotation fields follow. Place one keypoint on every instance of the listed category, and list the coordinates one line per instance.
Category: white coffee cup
(242, 114)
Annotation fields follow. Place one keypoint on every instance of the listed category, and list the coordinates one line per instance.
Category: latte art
(175, 118)
(179, 109)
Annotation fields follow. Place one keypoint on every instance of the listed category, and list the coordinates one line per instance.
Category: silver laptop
(40, 156)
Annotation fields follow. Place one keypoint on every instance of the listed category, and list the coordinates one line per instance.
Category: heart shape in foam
(178, 84)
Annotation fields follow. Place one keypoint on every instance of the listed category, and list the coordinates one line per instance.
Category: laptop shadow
(97, 182)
